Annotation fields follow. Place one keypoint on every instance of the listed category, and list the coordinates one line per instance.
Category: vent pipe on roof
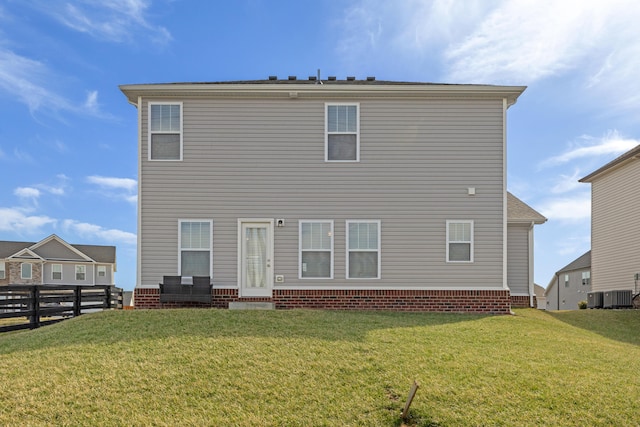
(319, 81)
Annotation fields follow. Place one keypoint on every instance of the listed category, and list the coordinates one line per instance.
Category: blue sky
(68, 137)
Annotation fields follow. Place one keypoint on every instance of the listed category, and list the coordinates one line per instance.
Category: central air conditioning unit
(616, 299)
(594, 299)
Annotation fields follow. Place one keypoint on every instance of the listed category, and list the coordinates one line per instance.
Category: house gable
(55, 249)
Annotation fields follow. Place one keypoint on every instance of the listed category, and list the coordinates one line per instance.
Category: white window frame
(102, 269)
(327, 133)
(301, 250)
(586, 278)
(349, 250)
(22, 276)
(151, 133)
(180, 249)
(53, 267)
(3, 270)
(470, 242)
(80, 269)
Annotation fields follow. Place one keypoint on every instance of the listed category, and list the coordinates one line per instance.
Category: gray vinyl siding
(69, 274)
(265, 159)
(56, 250)
(615, 235)
(518, 259)
(561, 297)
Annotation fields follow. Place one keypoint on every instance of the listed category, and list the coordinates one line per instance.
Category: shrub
(582, 305)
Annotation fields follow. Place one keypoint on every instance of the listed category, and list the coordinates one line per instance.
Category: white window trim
(3, 270)
(149, 133)
(471, 242)
(52, 265)
(348, 250)
(326, 131)
(22, 276)
(312, 221)
(75, 272)
(180, 221)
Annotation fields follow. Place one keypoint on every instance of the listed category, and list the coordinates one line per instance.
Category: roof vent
(371, 79)
(312, 78)
(273, 77)
(332, 78)
(293, 78)
(351, 78)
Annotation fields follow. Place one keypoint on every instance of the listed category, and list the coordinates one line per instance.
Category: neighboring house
(615, 234)
(54, 261)
(570, 285)
(520, 222)
(343, 194)
(541, 299)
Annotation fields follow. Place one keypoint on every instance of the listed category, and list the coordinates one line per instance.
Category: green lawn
(324, 368)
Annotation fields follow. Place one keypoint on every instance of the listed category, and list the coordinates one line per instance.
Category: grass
(324, 368)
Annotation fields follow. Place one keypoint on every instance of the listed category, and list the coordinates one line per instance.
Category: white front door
(255, 257)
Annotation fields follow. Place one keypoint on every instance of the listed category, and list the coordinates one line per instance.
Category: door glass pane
(256, 257)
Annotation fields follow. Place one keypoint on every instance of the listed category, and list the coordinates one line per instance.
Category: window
(586, 278)
(102, 271)
(343, 133)
(195, 247)
(566, 280)
(165, 131)
(3, 275)
(81, 272)
(363, 249)
(56, 271)
(316, 249)
(459, 241)
(25, 270)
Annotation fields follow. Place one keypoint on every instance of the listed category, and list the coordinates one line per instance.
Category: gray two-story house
(342, 194)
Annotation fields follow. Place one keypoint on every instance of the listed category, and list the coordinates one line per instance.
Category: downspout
(531, 284)
(505, 285)
(139, 205)
(558, 290)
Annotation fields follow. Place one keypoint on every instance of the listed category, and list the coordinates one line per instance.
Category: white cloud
(27, 193)
(91, 103)
(111, 20)
(571, 208)
(112, 182)
(95, 231)
(16, 220)
(610, 144)
(567, 183)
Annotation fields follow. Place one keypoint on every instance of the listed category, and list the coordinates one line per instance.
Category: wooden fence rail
(32, 306)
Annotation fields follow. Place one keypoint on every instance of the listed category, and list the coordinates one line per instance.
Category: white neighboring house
(56, 262)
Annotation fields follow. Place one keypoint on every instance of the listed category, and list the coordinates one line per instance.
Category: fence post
(34, 321)
(107, 295)
(77, 300)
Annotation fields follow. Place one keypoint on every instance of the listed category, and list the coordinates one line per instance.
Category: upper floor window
(81, 272)
(459, 241)
(586, 278)
(363, 249)
(165, 131)
(195, 245)
(102, 271)
(342, 143)
(26, 270)
(3, 275)
(56, 271)
(566, 280)
(316, 249)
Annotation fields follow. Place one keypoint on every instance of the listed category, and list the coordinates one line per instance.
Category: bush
(582, 305)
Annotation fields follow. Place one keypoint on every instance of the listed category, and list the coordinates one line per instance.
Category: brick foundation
(522, 301)
(494, 302)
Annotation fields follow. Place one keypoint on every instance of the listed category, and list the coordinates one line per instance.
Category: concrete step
(251, 305)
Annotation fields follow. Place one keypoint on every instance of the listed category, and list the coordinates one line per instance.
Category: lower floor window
(459, 241)
(25, 270)
(195, 247)
(81, 273)
(316, 249)
(363, 249)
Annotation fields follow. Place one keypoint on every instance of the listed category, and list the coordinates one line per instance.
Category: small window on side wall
(165, 131)
(102, 271)
(586, 278)
(459, 241)
(56, 271)
(81, 273)
(342, 143)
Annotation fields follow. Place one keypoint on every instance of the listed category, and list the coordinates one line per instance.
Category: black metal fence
(32, 306)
